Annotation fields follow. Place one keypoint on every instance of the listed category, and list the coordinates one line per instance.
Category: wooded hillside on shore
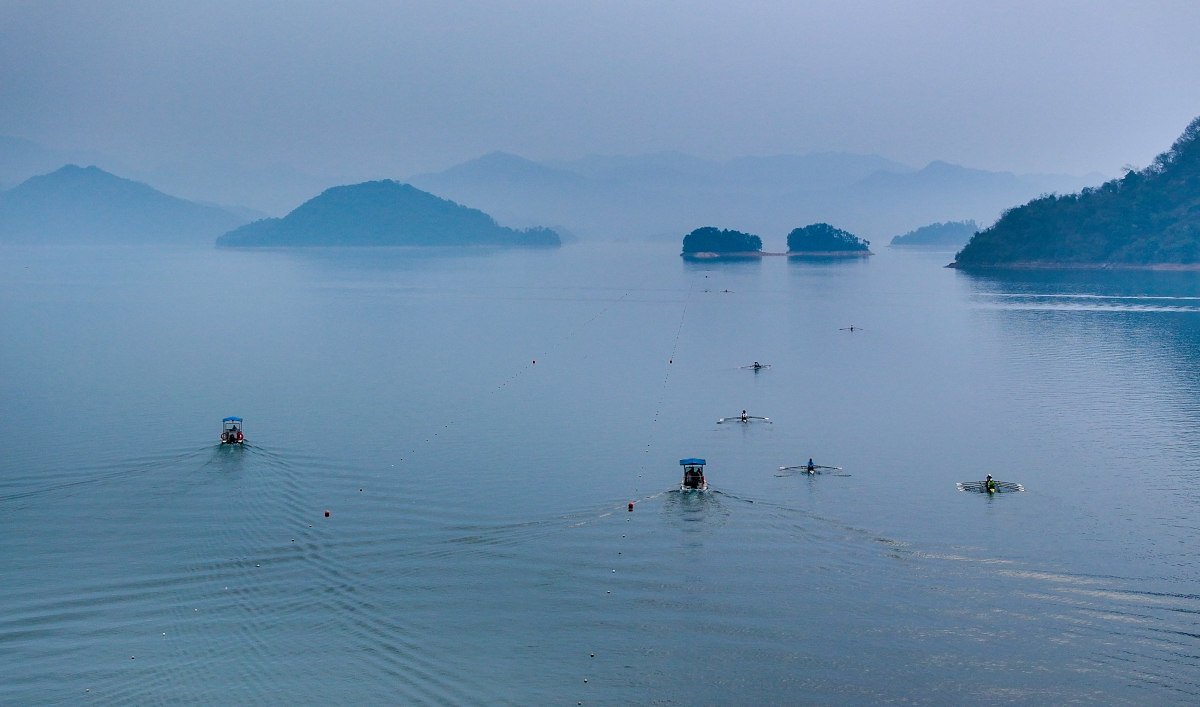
(1149, 217)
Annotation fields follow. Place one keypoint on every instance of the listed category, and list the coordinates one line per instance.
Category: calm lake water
(478, 549)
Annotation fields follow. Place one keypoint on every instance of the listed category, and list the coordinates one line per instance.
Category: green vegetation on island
(1147, 218)
(823, 239)
(383, 213)
(86, 205)
(709, 242)
(951, 233)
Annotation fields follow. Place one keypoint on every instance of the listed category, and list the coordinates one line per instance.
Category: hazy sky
(393, 88)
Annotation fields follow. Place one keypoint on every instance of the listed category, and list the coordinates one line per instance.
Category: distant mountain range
(21, 159)
(383, 213)
(660, 195)
(88, 205)
(253, 191)
(667, 194)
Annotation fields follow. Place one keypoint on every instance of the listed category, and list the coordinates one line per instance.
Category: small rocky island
(823, 240)
(950, 234)
(1148, 219)
(383, 213)
(712, 242)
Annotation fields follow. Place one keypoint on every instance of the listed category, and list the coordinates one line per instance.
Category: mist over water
(475, 422)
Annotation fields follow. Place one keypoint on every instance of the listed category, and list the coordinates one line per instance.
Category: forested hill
(1146, 218)
(383, 213)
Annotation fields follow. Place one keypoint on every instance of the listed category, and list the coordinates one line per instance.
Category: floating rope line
(662, 394)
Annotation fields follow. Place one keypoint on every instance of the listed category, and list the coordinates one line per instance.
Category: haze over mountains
(86, 205)
(666, 194)
(650, 196)
(252, 192)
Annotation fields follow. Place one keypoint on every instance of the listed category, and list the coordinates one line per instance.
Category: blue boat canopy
(232, 419)
(685, 462)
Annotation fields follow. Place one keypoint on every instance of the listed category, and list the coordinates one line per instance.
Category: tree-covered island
(821, 239)
(712, 242)
(1146, 219)
(383, 213)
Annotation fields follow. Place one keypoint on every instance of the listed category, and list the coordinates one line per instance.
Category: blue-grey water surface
(476, 423)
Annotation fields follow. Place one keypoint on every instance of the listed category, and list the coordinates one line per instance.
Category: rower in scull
(745, 417)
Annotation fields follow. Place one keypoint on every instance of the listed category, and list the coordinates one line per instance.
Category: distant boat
(693, 475)
(809, 468)
(744, 418)
(231, 431)
(757, 366)
(993, 487)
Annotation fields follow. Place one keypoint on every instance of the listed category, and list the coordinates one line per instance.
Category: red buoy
(326, 514)
(631, 507)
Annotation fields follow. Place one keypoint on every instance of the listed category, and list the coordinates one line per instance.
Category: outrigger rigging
(808, 468)
(989, 486)
(756, 367)
(745, 418)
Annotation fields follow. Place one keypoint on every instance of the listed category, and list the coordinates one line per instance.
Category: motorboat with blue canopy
(231, 431)
(693, 475)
